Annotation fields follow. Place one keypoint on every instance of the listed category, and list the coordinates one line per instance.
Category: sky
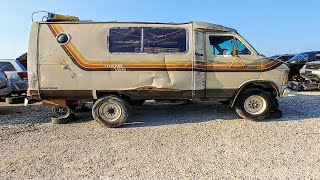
(271, 26)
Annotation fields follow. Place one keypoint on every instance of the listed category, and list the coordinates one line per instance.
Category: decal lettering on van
(116, 67)
(49, 88)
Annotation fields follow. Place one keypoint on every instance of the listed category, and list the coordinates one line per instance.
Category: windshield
(249, 44)
(286, 57)
(302, 56)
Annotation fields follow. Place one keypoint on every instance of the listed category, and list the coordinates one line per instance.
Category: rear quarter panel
(89, 44)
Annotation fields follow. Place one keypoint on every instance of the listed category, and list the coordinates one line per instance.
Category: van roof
(196, 24)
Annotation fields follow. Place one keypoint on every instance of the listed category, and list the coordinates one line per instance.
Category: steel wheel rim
(110, 111)
(61, 111)
(255, 105)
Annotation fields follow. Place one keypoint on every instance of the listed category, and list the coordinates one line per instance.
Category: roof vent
(58, 17)
(52, 17)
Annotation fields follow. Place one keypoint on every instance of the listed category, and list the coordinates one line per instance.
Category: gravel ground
(196, 141)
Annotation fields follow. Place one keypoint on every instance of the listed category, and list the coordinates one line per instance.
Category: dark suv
(298, 61)
(283, 57)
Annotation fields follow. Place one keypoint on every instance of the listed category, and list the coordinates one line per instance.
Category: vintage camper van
(118, 64)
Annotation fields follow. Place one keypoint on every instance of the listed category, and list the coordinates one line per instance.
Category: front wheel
(254, 104)
(111, 111)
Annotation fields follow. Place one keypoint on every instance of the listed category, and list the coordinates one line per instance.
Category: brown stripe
(52, 30)
(78, 59)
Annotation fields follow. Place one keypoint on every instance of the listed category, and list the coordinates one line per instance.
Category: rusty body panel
(84, 68)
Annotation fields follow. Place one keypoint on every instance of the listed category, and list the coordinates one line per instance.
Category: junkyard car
(17, 75)
(283, 57)
(298, 61)
(312, 71)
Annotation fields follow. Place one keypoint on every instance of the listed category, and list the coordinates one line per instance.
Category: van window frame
(234, 37)
(142, 36)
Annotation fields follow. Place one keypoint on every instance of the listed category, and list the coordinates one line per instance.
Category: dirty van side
(121, 64)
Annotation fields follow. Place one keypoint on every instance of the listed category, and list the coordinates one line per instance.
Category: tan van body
(84, 69)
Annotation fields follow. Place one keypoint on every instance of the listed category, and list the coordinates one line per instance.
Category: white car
(302, 72)
(312, 71)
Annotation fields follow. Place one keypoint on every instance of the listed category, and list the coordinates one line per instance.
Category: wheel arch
(123, 95)
(260, 84)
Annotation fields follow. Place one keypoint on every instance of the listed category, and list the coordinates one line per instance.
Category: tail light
(23, 75)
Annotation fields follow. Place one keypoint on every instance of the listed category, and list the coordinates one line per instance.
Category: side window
(242, 49)
(147, 40)
(6, 66)
(224, 45)
(164, 40)
(125, 40)
(221, 45)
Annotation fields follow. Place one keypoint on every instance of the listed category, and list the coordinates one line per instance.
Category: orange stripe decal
(92, 65)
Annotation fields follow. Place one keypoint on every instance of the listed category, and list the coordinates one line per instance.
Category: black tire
(259, 102)
(275, 105)
(14, 100)
(70, 118)
(60, 111)
(136, 102)
(111, 111)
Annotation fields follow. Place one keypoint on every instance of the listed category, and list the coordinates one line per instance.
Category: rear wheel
(111, 111)
(254, 104)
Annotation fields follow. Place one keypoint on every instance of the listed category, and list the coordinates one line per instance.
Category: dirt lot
(195, 141)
